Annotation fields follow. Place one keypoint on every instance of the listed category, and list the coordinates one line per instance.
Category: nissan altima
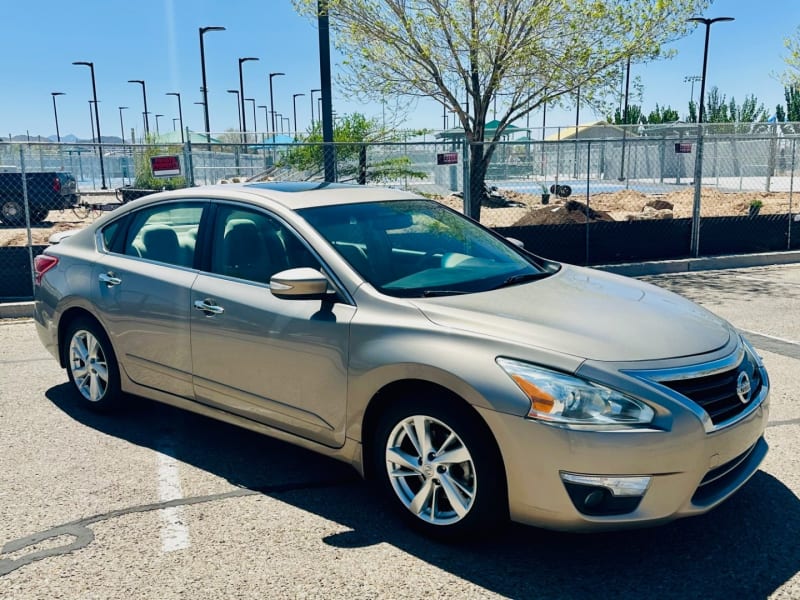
(471, 380)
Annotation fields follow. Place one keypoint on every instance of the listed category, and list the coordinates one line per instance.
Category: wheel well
(394, 392)
(66, 320)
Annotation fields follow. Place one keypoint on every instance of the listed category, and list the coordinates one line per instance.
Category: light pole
(97, 121)
(255, 123)
(294, 108)
(91, 120)
(204, 30)
(312, 106)
(144, 98)
(238, 106)
(241, 93)
(698, 159)
(55, 113)
(173, 122)
(691, 79)
(280, 120)
(158, 133)
(121, 126)
(625, 119)
(180, 111)
(266, 116)
(272, 102)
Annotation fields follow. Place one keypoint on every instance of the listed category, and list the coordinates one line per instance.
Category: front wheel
(92, 365)
(440, 467)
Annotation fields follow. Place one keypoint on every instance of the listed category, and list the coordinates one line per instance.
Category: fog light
(602, 495)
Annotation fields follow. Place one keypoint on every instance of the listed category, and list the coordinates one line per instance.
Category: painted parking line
(174, 530)
(771, 343)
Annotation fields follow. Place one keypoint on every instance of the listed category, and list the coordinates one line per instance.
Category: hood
(586, 313)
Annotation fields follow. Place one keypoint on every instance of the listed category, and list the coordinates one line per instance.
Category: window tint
(112, 234)
(253, 246)
(166, 233)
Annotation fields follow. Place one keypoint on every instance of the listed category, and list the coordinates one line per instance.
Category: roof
(595, 130)
(296, 195)
(174, 137)
(489, 131)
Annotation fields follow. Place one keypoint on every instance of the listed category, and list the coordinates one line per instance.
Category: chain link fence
(591, 195)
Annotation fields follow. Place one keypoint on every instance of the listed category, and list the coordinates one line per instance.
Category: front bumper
(677, 461)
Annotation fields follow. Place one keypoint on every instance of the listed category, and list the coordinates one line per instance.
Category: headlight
(754, 355)
(565, 400)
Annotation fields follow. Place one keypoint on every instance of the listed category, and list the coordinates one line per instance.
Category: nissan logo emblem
(743, 388)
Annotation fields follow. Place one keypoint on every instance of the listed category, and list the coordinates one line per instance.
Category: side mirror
(516, 242)
(303, 283)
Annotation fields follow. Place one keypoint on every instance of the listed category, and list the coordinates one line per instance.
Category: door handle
(109, 279)
(209, 307)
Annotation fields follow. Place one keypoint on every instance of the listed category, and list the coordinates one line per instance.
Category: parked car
(47, 190)
(471, 380)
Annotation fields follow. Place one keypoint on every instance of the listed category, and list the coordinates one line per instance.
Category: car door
(142, 293)
(280, 362)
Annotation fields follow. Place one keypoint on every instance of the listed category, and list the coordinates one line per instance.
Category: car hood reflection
(586, 313)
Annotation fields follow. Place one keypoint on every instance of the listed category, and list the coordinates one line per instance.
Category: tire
(92, 365)
(37, 216)
(454, 489)
(12, 212)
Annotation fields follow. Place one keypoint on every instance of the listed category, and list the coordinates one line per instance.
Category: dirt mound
(564, 213)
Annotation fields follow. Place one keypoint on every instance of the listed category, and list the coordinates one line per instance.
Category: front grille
(717, 394)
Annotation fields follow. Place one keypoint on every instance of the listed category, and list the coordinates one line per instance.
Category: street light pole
(144, 97)
(241, 93)
(55, 113)
(691, 79)
(625, 118)
(698, 160)
(97, 121)
(238, 106)
(294, 108)
(202, 31)
(272, 102)
(255, 123)
(266, 116)
(121, 126)
(180, 111)
(91, 119)
(312, 106)
(158, 133)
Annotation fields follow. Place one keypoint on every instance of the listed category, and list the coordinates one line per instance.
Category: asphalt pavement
(158, 503)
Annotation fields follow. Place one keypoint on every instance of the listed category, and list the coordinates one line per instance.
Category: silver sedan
(470, 379)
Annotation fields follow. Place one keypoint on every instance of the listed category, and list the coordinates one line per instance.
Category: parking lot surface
(158, 503)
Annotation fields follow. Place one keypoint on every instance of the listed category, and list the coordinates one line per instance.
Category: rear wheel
(440, 467)
(92, 365)
(12, 212)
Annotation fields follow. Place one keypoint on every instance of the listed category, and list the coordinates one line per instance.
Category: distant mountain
(68, 138)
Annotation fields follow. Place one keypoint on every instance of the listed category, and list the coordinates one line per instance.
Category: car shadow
(747, 547)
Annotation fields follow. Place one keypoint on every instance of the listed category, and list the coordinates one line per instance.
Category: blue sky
(157, 40)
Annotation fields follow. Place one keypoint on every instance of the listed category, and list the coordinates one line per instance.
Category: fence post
(791, 192)
(694, 249)
(588, 164)
(27, 214)
(362, 164)
(187, 157)
(465, 170)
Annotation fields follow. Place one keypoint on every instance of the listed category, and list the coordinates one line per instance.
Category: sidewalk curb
(16, 310)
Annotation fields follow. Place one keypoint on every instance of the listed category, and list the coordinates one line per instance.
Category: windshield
(417, 248)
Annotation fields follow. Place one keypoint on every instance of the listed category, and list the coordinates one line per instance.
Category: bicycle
(83, 210)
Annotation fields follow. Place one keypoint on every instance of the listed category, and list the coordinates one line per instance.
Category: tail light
(56, 184)
(41, 265)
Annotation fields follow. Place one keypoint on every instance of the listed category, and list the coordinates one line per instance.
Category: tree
(634, 116)
(467, 53)
(792, 44)
(664, 114)
(352, 135)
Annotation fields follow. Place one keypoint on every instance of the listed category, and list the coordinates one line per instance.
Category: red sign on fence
(447, 158)
(165, 166)
(683, 148)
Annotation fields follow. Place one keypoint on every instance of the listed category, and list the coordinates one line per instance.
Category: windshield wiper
(523, 278)
(433, 293)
